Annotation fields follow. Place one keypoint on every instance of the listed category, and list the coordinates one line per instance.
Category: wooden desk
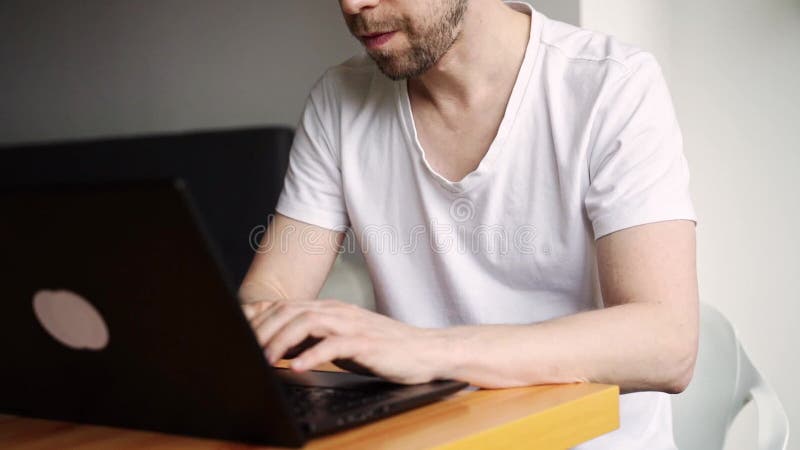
(540, 417)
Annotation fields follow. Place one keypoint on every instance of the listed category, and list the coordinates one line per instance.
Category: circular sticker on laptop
(70, 319)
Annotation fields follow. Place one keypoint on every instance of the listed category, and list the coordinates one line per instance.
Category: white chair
(349, 281)
(724, 382)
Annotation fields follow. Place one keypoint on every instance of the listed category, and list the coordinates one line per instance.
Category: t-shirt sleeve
(312, 188)
(638, 173)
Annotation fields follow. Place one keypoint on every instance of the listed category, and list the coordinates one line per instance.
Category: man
(495, 166)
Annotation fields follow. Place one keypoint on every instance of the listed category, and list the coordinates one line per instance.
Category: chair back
(724, 382)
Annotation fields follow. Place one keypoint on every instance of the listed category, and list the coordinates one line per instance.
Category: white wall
(734, 67)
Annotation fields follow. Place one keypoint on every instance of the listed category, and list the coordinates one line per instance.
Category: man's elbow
(679, 383)
(682, 369)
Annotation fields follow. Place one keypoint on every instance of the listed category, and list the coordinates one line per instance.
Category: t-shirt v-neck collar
(517, 94)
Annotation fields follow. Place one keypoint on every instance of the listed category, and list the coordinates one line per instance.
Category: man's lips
(375, 40)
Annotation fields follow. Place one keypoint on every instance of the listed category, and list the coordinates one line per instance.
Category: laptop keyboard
(305, 400)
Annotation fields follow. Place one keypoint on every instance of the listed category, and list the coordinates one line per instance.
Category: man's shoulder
(581, 46)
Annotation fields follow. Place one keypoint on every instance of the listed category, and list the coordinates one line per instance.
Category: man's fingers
(274, 322)
(277, 315)
(308, 323)
(332, 347)
(268, 318)
(265, 314)
(307, 343)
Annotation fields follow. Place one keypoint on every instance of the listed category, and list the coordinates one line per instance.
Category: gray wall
(94, 68)
(114, 67)
(733, 68)
(109, 67)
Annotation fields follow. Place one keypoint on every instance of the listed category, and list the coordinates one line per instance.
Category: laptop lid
(163, 344)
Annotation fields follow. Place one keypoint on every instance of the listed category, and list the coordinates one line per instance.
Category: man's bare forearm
(252, 291)
(638, 346)
(283, 268)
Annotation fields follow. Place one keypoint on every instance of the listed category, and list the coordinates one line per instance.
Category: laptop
(115, 310)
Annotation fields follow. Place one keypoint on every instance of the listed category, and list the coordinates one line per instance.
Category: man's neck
(486, 56)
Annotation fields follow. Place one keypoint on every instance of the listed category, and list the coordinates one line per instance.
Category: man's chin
(393, 74)
(388, 65)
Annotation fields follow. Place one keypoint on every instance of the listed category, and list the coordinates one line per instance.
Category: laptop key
(305, 400)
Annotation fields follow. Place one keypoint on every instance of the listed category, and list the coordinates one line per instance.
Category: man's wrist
(445, 347)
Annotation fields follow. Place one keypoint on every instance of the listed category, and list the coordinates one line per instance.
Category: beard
(428, 39)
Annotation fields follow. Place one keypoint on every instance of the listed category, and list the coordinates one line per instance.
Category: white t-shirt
(589, 144)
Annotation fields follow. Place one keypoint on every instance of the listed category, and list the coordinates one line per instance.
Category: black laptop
(115, 310)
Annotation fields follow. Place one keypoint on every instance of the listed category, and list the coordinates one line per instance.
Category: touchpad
(330, 379)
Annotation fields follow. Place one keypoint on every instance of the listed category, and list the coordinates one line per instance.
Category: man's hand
(388, 348)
